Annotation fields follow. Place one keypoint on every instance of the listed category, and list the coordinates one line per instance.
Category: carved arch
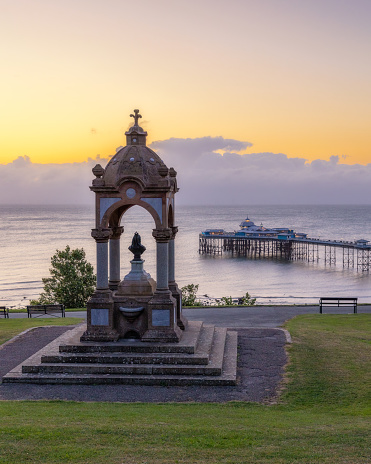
(112, 217)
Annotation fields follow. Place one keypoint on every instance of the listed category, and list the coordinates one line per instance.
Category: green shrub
(245, 301)
(227, 301)
(72, 280)
(189, 295)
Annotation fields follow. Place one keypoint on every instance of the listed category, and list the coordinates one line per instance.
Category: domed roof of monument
(136, 160)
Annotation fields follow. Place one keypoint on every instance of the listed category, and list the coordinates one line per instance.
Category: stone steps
(108, 369)
(203, 344)
(187, 344)
(119, 358)
(211, 360)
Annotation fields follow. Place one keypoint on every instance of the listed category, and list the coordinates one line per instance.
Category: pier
(285, 244)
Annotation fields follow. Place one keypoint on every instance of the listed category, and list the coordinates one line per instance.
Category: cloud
(205, 176)
(24, 182)
(186, 151)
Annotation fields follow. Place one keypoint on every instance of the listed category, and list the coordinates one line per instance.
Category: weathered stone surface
(187, 344)
(206, 356)
(135, 175)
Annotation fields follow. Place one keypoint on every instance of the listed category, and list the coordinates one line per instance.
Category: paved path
(261, 360)
(259, 316)
(254, 316)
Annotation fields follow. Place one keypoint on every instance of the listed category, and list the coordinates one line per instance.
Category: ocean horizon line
(180, 204)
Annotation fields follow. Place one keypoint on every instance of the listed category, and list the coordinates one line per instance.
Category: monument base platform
(206, 355)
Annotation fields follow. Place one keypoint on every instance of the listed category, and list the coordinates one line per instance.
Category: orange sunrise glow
(289, 77)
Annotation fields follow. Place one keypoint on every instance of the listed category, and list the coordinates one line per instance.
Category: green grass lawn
(11, 327)
(323, 415)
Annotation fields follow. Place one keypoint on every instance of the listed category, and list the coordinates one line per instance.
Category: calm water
(30, 235)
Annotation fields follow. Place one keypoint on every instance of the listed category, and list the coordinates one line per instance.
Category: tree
(189, 295)
(72, 280)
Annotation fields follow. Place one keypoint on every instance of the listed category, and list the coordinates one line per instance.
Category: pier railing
(354, 254)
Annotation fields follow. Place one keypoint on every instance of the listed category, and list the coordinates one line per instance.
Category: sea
(31, 234)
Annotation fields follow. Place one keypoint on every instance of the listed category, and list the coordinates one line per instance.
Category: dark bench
(46, 309)
(327, 301)
(4, 312)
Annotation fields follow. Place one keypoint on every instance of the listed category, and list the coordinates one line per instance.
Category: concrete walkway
(259, 316)
(253, 316)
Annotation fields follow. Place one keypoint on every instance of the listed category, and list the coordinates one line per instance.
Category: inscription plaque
(161, 317)
(99, 316)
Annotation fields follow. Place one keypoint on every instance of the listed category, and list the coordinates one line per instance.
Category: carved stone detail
(117, 232)
(101, 235)
(98, 171)
(136, 116)
(163, 170)
(162, 235)
(174, 231)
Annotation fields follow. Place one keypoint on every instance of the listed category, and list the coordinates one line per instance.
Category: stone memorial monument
(135, 331)
(136, 175)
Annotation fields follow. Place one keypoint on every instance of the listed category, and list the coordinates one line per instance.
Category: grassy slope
(331, 362)
(323, 416)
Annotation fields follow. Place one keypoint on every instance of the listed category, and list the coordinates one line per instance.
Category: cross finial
(136, 116)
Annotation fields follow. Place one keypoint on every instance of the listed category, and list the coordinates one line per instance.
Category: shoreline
(271, 305)
(247, 316)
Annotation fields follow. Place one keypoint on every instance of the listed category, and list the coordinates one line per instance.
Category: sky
(251, 101)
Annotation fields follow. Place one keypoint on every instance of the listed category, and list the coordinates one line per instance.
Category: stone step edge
(201, 355)
(218, 348)
(119, 369)
(212, 338)
(125, 358)
(229, 369)
(187, 344)
(205, 341)
(227, 343)
(159, 380)
(228, 376)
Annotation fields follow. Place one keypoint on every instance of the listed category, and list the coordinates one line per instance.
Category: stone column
(162, 311)
(162, 265)
(101, 238)
(172, 257)
(102, 265)
(114, 257)
(162, 238)
(100, 320)
(173, 287)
